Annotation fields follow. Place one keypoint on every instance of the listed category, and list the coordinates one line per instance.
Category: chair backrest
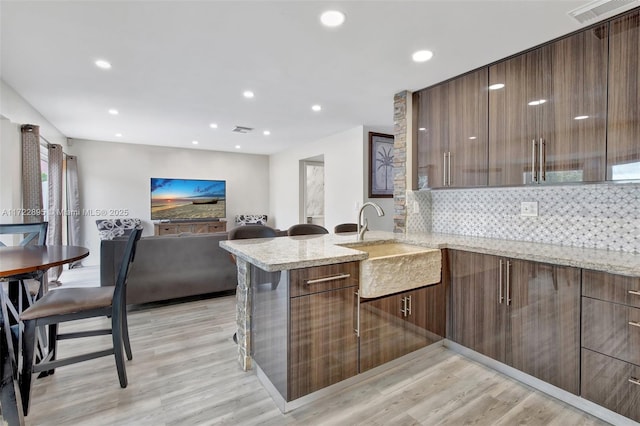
(346, 227)
(306, 229)
(35, 233)
(252, 231)
(127, 258)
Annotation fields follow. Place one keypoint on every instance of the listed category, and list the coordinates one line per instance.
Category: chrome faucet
(365, 227)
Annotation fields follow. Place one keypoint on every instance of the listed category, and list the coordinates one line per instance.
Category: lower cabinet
(524, 314)
(611, 342)
(395, 325)
(322, 338)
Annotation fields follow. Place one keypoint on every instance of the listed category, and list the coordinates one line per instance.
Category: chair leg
(28, 348)
(10, 399)
(116, 334)
(53, 344)
(125, 335)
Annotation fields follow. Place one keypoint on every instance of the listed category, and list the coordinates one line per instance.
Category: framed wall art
(380, 165)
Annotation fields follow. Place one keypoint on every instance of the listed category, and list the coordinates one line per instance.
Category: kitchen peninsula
(545, 286)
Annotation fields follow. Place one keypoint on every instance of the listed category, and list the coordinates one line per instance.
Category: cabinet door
(432, 135)
(512, 121)
(323, 343)
(574, 116)
(623, 149)
(428, 310)
(478, 305)
(468, 130)
(386, 333)
(544, 322)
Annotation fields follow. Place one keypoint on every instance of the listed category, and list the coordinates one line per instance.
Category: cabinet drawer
(610, 287)
(611, 329)
(323, 278)
(611, 383)
(216, 227)
(167, 230)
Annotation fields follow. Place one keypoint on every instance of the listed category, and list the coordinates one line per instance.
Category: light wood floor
(184, 372)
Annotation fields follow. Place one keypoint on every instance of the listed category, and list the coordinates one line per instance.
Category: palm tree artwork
(385, 162)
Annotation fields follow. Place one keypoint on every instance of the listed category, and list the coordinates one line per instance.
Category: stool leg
(28, 347)
(116, 334)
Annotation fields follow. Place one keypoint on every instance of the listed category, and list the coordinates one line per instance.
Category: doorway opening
(312, 186)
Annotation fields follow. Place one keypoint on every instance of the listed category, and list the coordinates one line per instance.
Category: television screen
(183, 199)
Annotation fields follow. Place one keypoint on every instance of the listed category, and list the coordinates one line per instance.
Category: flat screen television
(188, 199)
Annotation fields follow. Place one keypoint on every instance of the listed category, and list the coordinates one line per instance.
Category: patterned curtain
(54, 233)
(73, 205)
(31, 173)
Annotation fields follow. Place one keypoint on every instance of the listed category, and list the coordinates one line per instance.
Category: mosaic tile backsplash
(603, 216)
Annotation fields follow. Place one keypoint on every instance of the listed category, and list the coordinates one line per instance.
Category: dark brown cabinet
(623, 149)
(547, 123)
(323, 341)
(525, 314)
(452, 132)
(398, 324)
(611, 341)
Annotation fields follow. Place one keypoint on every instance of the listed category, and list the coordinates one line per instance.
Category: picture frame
(380, 165)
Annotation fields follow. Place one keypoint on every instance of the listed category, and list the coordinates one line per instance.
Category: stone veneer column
(400, 161)
(243, 314)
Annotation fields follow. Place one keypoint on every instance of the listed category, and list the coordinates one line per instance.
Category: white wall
(384, 223)
(343, 179)
(117, 176)
(15, 111)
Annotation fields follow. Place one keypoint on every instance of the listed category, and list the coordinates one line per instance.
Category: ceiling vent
(600, 9)
(242, 129)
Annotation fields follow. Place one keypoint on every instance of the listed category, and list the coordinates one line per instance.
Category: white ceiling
(180, 65)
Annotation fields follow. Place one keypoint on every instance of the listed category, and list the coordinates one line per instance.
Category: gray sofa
(171, 266)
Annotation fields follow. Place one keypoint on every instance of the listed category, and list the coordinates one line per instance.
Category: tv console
(193, 226)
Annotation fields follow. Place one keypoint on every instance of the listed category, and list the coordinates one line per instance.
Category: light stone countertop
(277, 254)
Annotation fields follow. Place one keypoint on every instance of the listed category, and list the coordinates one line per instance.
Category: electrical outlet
(416, 207)
(529, 208)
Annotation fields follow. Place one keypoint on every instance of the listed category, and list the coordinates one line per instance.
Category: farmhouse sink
(394, 267)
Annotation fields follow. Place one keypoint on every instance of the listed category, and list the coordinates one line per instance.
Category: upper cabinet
(547, 112)
(623, 132)
(452, 132)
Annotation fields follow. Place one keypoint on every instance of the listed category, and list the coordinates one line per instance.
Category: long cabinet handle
(449, 169)
(542, 159)
(500, 296)
(634, 323)
(508, 283)
(444, 169)
(326, 279)
(634, 381)
(534, 176)
(357, 329)
(408, 305)
(635, 292)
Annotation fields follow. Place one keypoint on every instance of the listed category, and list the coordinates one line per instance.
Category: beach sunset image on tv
(175, 199)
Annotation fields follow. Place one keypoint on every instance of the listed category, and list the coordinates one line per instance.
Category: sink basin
(396, 267)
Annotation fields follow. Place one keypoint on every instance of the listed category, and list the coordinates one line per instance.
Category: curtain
(73, 205)
(54, 233)
(31, 174)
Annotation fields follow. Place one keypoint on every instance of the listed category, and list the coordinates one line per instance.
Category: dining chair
(33, 234)
(306, 229)
(345, 227)
(70, 304)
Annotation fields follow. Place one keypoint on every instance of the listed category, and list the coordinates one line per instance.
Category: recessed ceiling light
(118, 135)
(316, 108)
(266, 133)
(581, 117)
(422, 55)
(332, 18)
(213, 125)
(101, 63)
(423, 129)
(194, 142)
(113, 111)
(472, 137)
(496, 86)
(237, 146)
(538, 102)
(248, 94)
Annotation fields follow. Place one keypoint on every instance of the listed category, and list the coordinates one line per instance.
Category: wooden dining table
(16, 261)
